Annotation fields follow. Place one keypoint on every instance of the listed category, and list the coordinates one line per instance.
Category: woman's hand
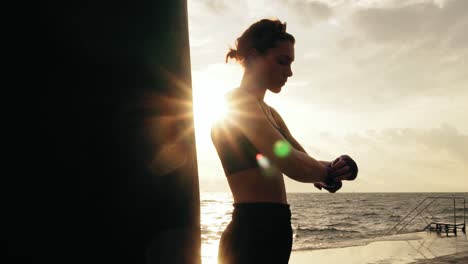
(330, 188)
(330, 184)
(342, 168)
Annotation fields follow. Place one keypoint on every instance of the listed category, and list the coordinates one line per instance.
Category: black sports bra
(235, 150)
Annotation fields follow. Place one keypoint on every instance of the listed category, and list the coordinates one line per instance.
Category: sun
(208, 90)
(208, 108)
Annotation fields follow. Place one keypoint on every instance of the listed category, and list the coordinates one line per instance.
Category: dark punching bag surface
(101, 160)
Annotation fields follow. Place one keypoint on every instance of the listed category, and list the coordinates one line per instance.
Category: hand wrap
(330, 184)
(353, 168)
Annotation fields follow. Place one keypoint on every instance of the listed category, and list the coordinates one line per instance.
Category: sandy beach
(421, 247)
(458, 258)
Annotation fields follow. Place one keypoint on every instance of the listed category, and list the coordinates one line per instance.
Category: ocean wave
(321, 222)
(350, 218)
(209, 201)
(320, 245)
(309, 231)
(341, 224)
(356, 241)
(450, 210)
(370, 214)
(337, 207)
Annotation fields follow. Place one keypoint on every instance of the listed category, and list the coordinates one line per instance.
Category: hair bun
(260, 36)
(232, 54)
(281, 27)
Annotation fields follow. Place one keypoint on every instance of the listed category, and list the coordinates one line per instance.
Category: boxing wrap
(330, 184)
(353, 168)
(333, 188)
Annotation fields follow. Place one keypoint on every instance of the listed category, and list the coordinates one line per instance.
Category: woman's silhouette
(256, 148)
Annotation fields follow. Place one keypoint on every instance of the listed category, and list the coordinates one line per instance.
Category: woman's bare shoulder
(238, 102)
(276, 115)
(273, 110)
(239, 96)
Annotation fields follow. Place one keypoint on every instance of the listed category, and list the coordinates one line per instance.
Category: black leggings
(258, 233)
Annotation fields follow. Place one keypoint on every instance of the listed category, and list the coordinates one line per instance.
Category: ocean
(324, 220)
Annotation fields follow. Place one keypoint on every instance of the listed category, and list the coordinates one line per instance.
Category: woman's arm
(342, 172)
(247, 116)
(279, 120)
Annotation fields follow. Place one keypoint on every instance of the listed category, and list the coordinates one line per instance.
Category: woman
(255, 148)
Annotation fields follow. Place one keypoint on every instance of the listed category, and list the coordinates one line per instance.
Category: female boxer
(256, 148)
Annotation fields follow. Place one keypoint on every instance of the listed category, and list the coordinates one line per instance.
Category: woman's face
(274, 67)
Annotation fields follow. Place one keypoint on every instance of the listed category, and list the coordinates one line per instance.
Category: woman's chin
(276, 89)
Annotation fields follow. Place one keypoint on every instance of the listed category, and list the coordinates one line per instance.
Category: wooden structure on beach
(439, 227)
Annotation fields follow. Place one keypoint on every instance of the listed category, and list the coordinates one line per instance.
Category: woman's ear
(252, 54)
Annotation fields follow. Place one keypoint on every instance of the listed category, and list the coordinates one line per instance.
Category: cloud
(405, 159)
(399, 63)
(395, 153)
(214, 10)
(215, 6)
(399, 159)
(386, 54)
(310, 12)
(200, 42)
(421, 21)
(445, 139)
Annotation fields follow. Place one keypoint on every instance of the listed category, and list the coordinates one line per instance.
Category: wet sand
(458, 258)
(422, 247)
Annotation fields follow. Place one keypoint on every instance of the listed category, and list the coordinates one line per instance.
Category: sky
(385, 82)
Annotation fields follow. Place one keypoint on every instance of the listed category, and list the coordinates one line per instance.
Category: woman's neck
(251, 85)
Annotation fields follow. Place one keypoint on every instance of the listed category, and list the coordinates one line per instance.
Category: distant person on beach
(256, 148)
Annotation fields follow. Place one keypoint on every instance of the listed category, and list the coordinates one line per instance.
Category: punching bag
(101, 162)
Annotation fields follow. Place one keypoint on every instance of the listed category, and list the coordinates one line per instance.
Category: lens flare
(263, 161)
(282, 148)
